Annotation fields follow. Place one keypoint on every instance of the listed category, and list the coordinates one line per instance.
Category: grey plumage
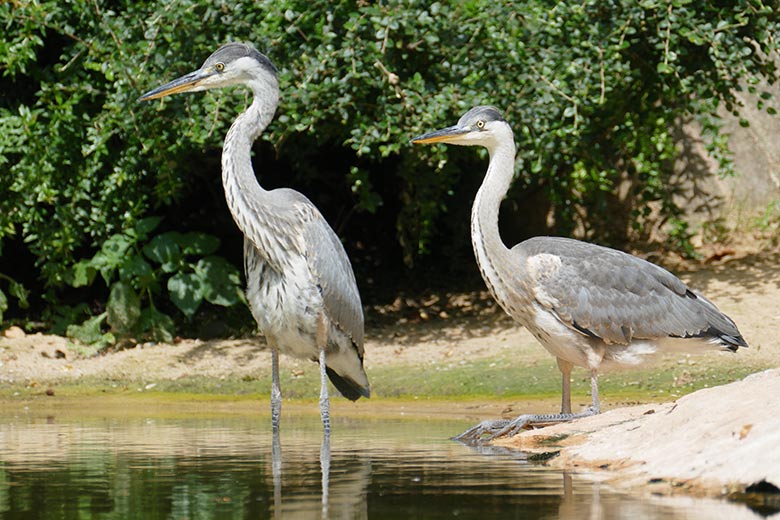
(588, 305)
(300, 285)
(619, 298)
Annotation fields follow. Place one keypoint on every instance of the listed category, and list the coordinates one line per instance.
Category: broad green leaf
(221, 281)
(111, 255)
(83, 273)
(164, 249)
(137, 271)
(123, 309)
(186, 292)
(200, 244)
(89, 331)
(146, 225)
(158, 325)
(112, 251)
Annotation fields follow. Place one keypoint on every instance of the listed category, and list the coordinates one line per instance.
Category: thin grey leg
(322, 343)
(324, 400)
(276, 390)
(565, 368)
(594, 391)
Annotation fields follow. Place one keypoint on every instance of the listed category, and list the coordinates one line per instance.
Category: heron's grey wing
(330, 267)
(618, 297)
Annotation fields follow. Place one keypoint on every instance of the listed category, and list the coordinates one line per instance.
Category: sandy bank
(717, 441)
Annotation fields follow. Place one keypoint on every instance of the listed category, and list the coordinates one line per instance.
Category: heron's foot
(484, 431)
(487, 431)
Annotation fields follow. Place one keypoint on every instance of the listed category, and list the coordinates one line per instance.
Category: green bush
(133, 267)
(593, 89)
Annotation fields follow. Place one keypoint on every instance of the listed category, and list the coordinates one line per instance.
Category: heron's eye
(480, 124)
(219, 66)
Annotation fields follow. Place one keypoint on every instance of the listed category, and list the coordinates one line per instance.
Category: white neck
(493, 257)
(237, 174)
(248, 202)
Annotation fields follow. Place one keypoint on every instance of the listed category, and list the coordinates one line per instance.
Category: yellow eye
(480, 124)
(219, 66)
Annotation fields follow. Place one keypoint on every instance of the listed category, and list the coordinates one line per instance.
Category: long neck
(250, 204)
(493, 257)
(238, 177)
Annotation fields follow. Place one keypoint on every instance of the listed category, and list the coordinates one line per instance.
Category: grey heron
(300, 285)
(588, 305)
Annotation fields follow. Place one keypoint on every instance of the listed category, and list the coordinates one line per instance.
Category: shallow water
(226, 465)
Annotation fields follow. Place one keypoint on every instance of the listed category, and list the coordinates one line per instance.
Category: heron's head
(231, 64)
(482, 125)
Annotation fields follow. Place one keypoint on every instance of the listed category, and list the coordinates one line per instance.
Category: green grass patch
(488, 378)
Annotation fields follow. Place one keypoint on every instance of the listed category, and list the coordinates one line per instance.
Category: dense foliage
(594, 90)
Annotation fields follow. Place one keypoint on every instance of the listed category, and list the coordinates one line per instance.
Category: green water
(225, 465)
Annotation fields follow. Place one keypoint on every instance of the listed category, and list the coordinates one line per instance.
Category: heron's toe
(485, 428)
(514, 427)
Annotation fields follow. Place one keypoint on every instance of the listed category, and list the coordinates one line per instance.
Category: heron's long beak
(440, 136)
(185, 83)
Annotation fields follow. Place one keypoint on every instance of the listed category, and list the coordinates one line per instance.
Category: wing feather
(331, 268)
(616, 296)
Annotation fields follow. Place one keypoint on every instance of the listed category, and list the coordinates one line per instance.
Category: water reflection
(232, 466)
(277, 465)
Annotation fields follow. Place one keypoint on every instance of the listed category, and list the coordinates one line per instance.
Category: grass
(490, 379)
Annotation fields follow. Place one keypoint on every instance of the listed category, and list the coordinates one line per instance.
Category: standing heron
(588, 305)
(300, 284)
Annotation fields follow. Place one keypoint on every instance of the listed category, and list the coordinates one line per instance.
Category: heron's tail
(722, 329)
(348, 387)
(727, 340)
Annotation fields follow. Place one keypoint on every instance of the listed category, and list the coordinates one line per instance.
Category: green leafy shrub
(134, 268)
(593, 89)
(16, 290)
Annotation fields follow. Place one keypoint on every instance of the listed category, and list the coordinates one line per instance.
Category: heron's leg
(324, 401)
(276, 389)
(594, 391)
(322, 343)
(565, 368)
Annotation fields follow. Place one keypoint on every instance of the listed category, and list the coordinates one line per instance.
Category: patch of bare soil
(436, 327)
